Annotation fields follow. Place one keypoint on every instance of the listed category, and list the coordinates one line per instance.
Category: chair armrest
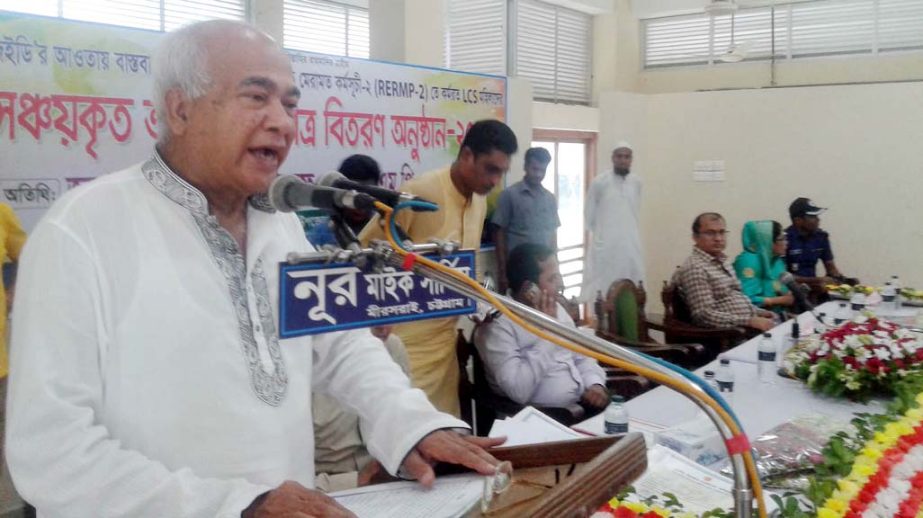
(567, 415)
(629, 385)
(676, 327)
(649, 347)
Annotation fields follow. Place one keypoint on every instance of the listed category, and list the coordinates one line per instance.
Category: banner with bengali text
(75, 103)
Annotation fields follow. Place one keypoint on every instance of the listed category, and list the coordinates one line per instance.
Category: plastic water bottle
(709, 377)
(789, 342)
(896, 282)
(889, 297)
(616, 417)
(725, 379)
(766, 356)
(842, 314)
(857, 304)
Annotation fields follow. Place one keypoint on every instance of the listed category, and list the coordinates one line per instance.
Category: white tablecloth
(758, 406)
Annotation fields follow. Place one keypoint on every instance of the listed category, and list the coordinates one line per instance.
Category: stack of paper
(530, 426)
(451, 497)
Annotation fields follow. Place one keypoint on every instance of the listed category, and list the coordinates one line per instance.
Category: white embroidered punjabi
(147, 379)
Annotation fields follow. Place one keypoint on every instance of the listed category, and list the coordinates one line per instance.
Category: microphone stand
(384, 254)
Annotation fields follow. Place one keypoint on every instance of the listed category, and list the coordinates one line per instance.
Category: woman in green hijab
(761, 264)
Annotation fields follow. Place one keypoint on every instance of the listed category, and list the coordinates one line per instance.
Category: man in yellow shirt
(460, 191)
(12, 237)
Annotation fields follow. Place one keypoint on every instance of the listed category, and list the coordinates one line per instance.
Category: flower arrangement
(886, 477)
(873, 470)
(628, 504)
(858, 359)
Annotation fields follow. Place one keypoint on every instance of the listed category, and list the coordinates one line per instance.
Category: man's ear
(466, 155)
(177, 108)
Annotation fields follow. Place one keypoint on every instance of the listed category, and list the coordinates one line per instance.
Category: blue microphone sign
(320, 298)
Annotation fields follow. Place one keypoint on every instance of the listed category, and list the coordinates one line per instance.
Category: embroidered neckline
(181, 192)
(270, 386)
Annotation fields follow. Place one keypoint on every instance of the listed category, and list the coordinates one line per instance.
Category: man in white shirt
(525, 368)
(147, 376)
(612, 215)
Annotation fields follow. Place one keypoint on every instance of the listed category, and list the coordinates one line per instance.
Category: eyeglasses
(712, 234)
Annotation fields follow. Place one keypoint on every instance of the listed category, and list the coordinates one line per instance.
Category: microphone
(386, 196)
(798, 291)
(288, 193)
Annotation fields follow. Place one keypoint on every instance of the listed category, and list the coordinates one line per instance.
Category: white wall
(519, 118)
(854, 149)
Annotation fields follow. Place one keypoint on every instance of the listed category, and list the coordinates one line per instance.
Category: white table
(759, 406)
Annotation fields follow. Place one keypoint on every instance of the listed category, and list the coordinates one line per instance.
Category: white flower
(852, 341)
(883, 354)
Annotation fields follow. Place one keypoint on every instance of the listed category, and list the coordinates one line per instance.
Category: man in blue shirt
(526, 213)
(807, 244)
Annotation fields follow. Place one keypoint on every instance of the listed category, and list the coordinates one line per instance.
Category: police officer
(807, 244)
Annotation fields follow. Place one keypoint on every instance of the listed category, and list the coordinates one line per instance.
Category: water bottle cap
(725, 361)
(709, 374)
(617, 398)
(767, 335)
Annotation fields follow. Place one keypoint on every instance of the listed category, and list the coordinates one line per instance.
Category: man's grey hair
(181, 63)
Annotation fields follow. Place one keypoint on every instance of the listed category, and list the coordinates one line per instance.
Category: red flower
(624, 512)
(899, 364)
(650, 514)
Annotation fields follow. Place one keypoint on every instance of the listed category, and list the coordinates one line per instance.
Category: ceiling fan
(737, 51)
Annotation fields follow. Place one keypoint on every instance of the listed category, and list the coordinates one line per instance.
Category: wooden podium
(568, 478)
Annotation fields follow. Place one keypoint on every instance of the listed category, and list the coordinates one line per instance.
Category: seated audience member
(525, 368)
(358, 168)
(807, 243)
(365, 170)
(708, 284)
(341, 458)
(761, 264)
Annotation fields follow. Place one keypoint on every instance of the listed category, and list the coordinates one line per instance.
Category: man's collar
(181, 192)
(529, 188)
(721, 258)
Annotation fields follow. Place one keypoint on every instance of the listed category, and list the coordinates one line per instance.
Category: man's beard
(622, 171)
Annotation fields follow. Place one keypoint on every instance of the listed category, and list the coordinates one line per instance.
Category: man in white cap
(611, 215)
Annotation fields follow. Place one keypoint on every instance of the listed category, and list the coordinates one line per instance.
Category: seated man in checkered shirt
(709, 285)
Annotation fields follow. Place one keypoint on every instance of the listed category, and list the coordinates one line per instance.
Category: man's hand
(596, 396)
(452, 447)
(761, 323)
(292, 500)
(548, 303)
(502, 285)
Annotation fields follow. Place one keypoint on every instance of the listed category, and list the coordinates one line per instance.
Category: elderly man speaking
(148, 378)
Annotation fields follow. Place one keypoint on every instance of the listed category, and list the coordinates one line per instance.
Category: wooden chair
(627, 325)
(677, 327)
